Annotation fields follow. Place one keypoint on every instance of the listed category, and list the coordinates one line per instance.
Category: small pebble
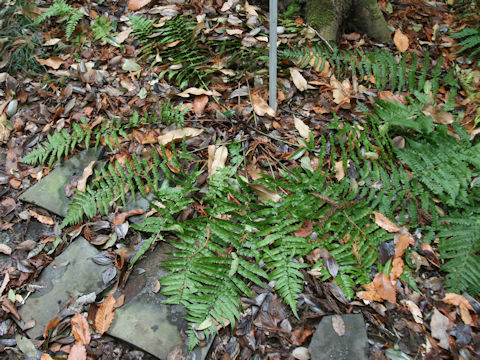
(12, 108)
(301, 353)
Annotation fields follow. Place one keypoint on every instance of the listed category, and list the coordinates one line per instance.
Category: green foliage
(470, 40)
(460, 245)
(103, 29)
(63, 143)
(170, 115)
(387, 71)
(20, 40)
(62, 9)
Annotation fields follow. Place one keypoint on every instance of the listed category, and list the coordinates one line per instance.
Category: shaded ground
(96, 80)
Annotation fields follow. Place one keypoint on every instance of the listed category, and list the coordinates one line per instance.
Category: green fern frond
(103, 28)
(460, 246)
(471, 40)
(61, 8)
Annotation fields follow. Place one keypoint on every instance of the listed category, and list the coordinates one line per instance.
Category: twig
(321, 37)
(203, 246)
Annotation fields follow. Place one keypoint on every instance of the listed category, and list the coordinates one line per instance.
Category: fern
(460, 245)
(59, 144)
(471, 40)
(380, 64)
(61, 8)
(102, 29)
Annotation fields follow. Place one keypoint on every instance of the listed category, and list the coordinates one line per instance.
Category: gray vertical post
(272, 58)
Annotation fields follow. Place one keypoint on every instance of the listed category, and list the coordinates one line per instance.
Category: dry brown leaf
(414, 310)
(403, 241)
(199, 104)
(82, 182)
(123, 35)
(250, 10)
(463, 304)
(104, 316)
(306, 229)
(197, 91)
(137, 4)
(369, 295)
(388, 95)
(216, 158)
(80, 329)
(298, 80)
(341, 90)
(338, 325)
(47, 220)
(77, 352)
(119, 302)
(4, 131)
(438, 116)
(54, 62)
(401, 41)
(178, 134)
(45, 356)
(382, 221)
(51, 324)
(261, 107)
(397, 268)
(121, 217)
(384, 288)
(302, 128)
(339, 170)
(265, 193)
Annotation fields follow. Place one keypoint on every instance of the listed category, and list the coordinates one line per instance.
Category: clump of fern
(470, 40)
(60, 8)
(103, 29)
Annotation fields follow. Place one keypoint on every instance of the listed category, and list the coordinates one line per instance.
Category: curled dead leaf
(121, 217)
(82, 182)
(265, 193)
(80, 329)
(261, 107)
(77, 352)
(105, 315)
(298, 80)
(47, 220)
(463, 304)
(439, 116)
(197, 91)
(51, 325)
(216, 158)
(54, 62)
(302, 128)
(137, 4)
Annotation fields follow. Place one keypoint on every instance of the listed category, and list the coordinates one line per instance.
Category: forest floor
(200, 88)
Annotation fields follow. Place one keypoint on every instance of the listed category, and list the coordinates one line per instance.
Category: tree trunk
(327, 17)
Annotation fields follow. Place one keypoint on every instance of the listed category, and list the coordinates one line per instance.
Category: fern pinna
(61, 8)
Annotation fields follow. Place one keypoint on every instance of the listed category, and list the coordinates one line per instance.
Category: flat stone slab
(328, 344)
(143, 320)
(72, 273)
(49, 193)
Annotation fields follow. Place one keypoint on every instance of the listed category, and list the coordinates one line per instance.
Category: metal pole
(272, 58)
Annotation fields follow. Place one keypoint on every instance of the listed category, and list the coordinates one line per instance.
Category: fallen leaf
(137, 4)
(45, 356)
(438, 116)
(197, 91)
(414, 310)
(105, 315)
(261, 107)
(216, 158)
(397, 268)
(298, 80)
(227, 5)
(369, 295)
(388, 95)
(300, 334)
(82, 182)
(404, 241)
(338, 325)
(121, 217)
(306, 229)
(302, 128)
(439, 325)
(5, 249)
(265, 193)
(301, 353)
(250, 10)
(119, 302)
(77, 352)
(51, 324)
(80, 329)
(382, 221)
(122, 36)
(339, 170)
(341, 90)
(178, 135)
(384, 288)
(199, 104)
(54, 62)
(47, 220)
(130, 65)
(10, 307)
(4, 131)
(463, 304)
(400, 40)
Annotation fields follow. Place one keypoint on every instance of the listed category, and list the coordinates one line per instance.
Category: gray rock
(143, 320)
(49, 193)
(72, 273)
(327, 344)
